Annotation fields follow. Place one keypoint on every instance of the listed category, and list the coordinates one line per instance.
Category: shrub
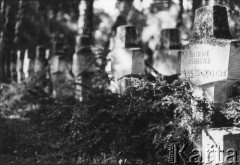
(106, 127)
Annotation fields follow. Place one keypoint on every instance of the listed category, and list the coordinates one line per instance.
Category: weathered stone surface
(167, 59)
(234, 61)
(211, 60)
(211, 22)
(217, 141)
(203, 63)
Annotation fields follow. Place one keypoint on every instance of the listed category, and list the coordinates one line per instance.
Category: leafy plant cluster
(105, 127)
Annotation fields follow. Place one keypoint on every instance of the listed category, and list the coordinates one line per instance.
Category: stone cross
(82, 62)
(82, 52)
(126, 58)
(31, 56)
(13, 64)
(28, 63)
(219, 143)
(211, 60)
(166, 60)
(59, 70)
(40, 59)
(19, 65)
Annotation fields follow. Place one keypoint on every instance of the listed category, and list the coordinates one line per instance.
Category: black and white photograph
(120, 82)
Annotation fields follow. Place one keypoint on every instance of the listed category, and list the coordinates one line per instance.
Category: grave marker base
(216, 92)
(217, 141)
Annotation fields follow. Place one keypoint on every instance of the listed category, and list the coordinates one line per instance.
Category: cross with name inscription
(211, 60)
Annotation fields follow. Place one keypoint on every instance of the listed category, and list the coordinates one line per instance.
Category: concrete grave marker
(59, 70)
(40, 59)
(19, 65)
(13, 65)
(216, 142)
(81, 57)
(28, 63)
(31, 56)
(167, 59)
(82, 62)
(126, 58)
(56, 61)
(211, 61)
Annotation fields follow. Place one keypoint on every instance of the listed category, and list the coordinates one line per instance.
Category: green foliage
(232, 109)
(30, 26)
(106, 127)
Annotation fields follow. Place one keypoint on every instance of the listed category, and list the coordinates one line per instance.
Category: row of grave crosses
(29, 62)
(55, 63)
(26, 63)
(211, 60)
(128, 59)
(211, 63)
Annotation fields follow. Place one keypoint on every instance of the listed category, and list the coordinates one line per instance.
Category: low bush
(105, 127)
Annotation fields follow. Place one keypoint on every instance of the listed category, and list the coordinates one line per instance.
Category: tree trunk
(2, 22)
(7, 44)
(124, 8)
(84, 39)
(86, 18)
(180, 15)
(206, 2)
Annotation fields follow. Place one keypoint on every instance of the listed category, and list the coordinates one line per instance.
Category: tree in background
(26, 24)
(8, 19)
(86, 18)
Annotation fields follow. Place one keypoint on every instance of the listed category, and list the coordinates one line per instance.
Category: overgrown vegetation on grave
(105, 127)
